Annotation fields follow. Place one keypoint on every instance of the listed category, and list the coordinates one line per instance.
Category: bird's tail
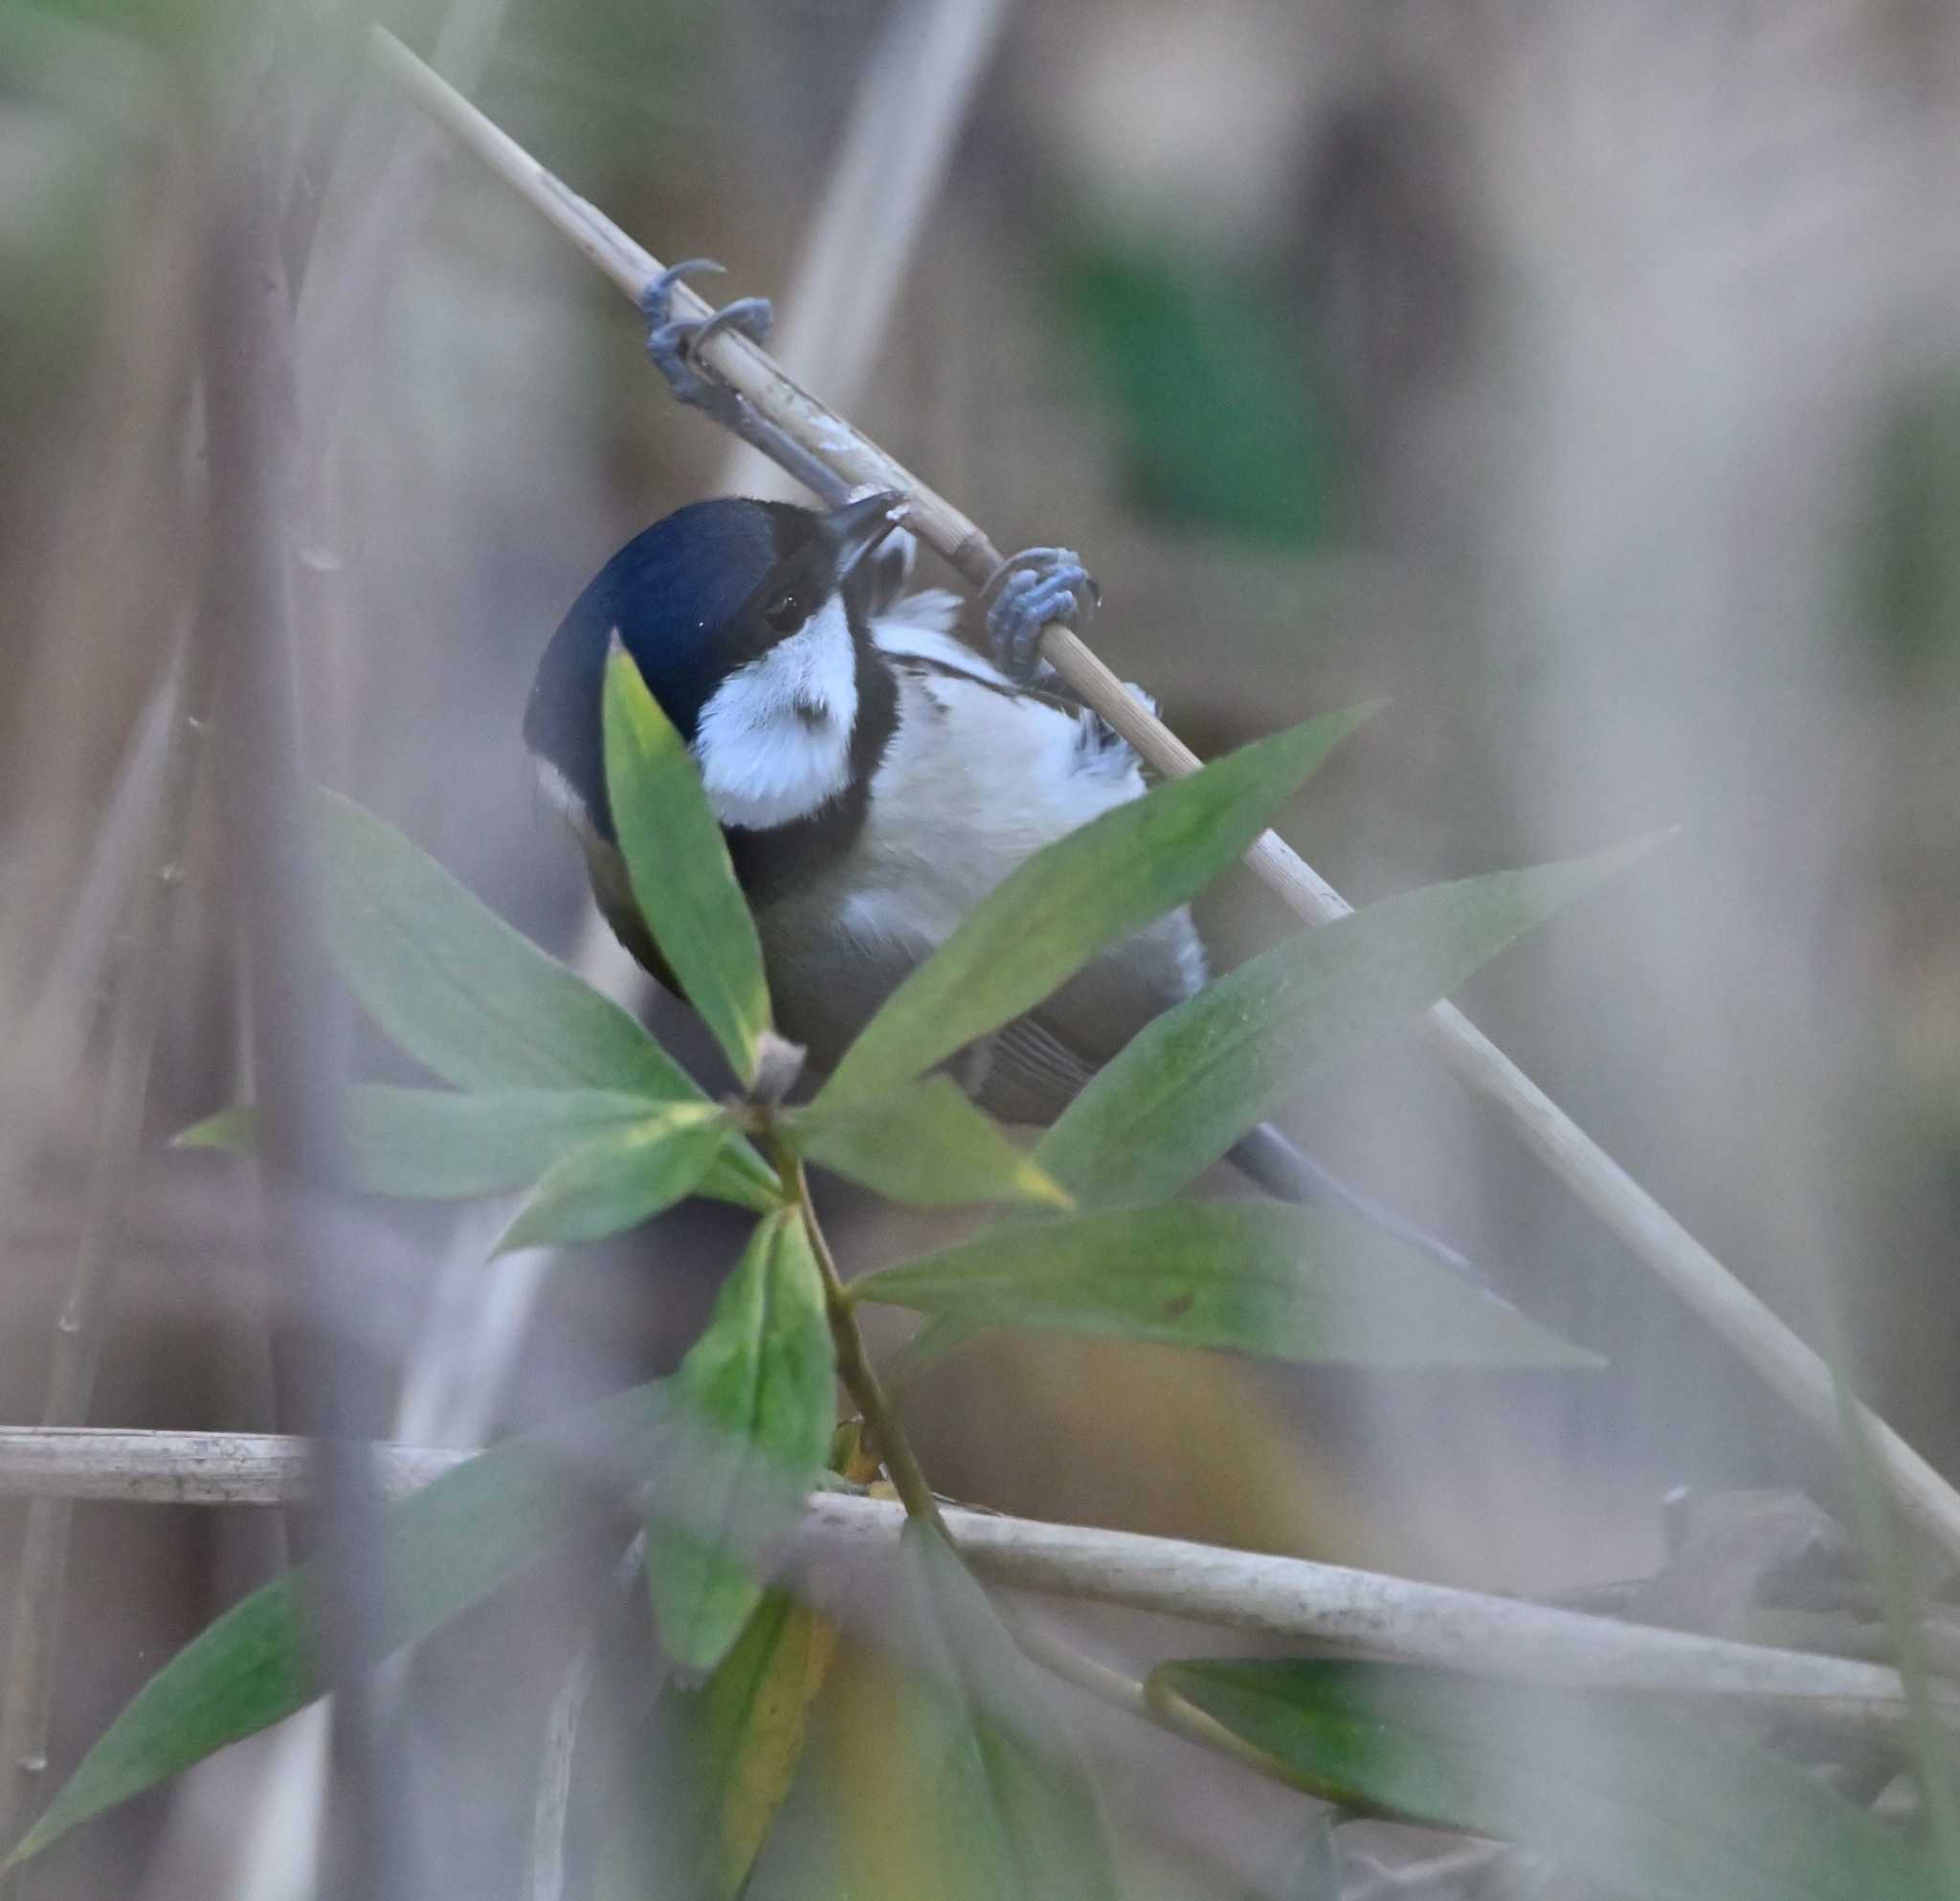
(1269, 1161)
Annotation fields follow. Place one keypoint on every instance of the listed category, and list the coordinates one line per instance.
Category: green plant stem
(853, 1363)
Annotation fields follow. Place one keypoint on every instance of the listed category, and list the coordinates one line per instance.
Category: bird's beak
(859, 526)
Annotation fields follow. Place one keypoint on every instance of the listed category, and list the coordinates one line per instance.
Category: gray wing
(1030, 1070)
(1023, 1073)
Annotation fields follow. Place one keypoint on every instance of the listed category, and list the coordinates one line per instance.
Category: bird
(875, 776)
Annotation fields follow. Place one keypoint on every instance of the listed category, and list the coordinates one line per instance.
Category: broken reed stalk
(1792, 1369)
(1289, 1600)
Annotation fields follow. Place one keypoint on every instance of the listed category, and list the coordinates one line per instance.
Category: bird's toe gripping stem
(673, 342)
(1027, 593)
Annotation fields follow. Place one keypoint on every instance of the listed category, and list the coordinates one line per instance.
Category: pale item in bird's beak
(859, 526)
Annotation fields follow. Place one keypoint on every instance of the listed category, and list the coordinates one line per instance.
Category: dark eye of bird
(787, 614)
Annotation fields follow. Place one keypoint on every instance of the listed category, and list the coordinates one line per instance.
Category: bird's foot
(1031, 591)
(674, 342)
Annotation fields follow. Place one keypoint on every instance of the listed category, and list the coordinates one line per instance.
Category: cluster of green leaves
(550, 1089)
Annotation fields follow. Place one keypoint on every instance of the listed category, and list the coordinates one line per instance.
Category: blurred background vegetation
(1586, 379)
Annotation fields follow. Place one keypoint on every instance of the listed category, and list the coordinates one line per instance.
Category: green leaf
(476, 1001)
(1013, 1815)
(1658, 1804)
(926, 1147)
(458, 988)
(437, 1144)
(446, 1548)
(615, 1181)
(761, 1381)
(1077, 897)
(678, 860)
(751, 1720)
(1194, 1080)
(1292, 1284)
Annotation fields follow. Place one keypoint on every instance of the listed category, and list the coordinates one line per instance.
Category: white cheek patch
(560, 794)
(774, 741)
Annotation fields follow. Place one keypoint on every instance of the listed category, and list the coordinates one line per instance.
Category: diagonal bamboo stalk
(1792, 1369)
(1291, 1599)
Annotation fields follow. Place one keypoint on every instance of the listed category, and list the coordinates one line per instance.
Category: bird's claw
(1029, 592)
(674, 343)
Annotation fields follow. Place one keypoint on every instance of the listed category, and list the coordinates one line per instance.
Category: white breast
(774, 741)
(976, 778)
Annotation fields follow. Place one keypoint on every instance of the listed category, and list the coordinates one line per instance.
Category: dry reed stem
(1289, 1600)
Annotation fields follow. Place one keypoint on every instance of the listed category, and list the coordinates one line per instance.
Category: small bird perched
(875, 777)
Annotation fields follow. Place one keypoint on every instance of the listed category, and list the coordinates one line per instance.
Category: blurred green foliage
(1911, 547)
(1653, 1803)
(591, 82)
(1221, 419)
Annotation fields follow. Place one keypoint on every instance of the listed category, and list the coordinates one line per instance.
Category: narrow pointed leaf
(473, 1000)
(1658, 1804)
(1077, 897)
(1011, 1813)
(1292, 1284)
(761, 1383)
(927, 1146)
(617, 1180)
(677, 859)
(458, 988)
(440, 1144)
(446, 1547)
(751, 1720)
(1195, 1079)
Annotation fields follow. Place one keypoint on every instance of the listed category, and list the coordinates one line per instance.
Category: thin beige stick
(1792, 1369)
(1293, 1599)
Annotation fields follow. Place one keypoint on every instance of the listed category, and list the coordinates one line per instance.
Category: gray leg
(673, 343)
(1025, 594)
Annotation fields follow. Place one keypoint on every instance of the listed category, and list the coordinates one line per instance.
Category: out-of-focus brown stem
(88, 1306)
(249, 398)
